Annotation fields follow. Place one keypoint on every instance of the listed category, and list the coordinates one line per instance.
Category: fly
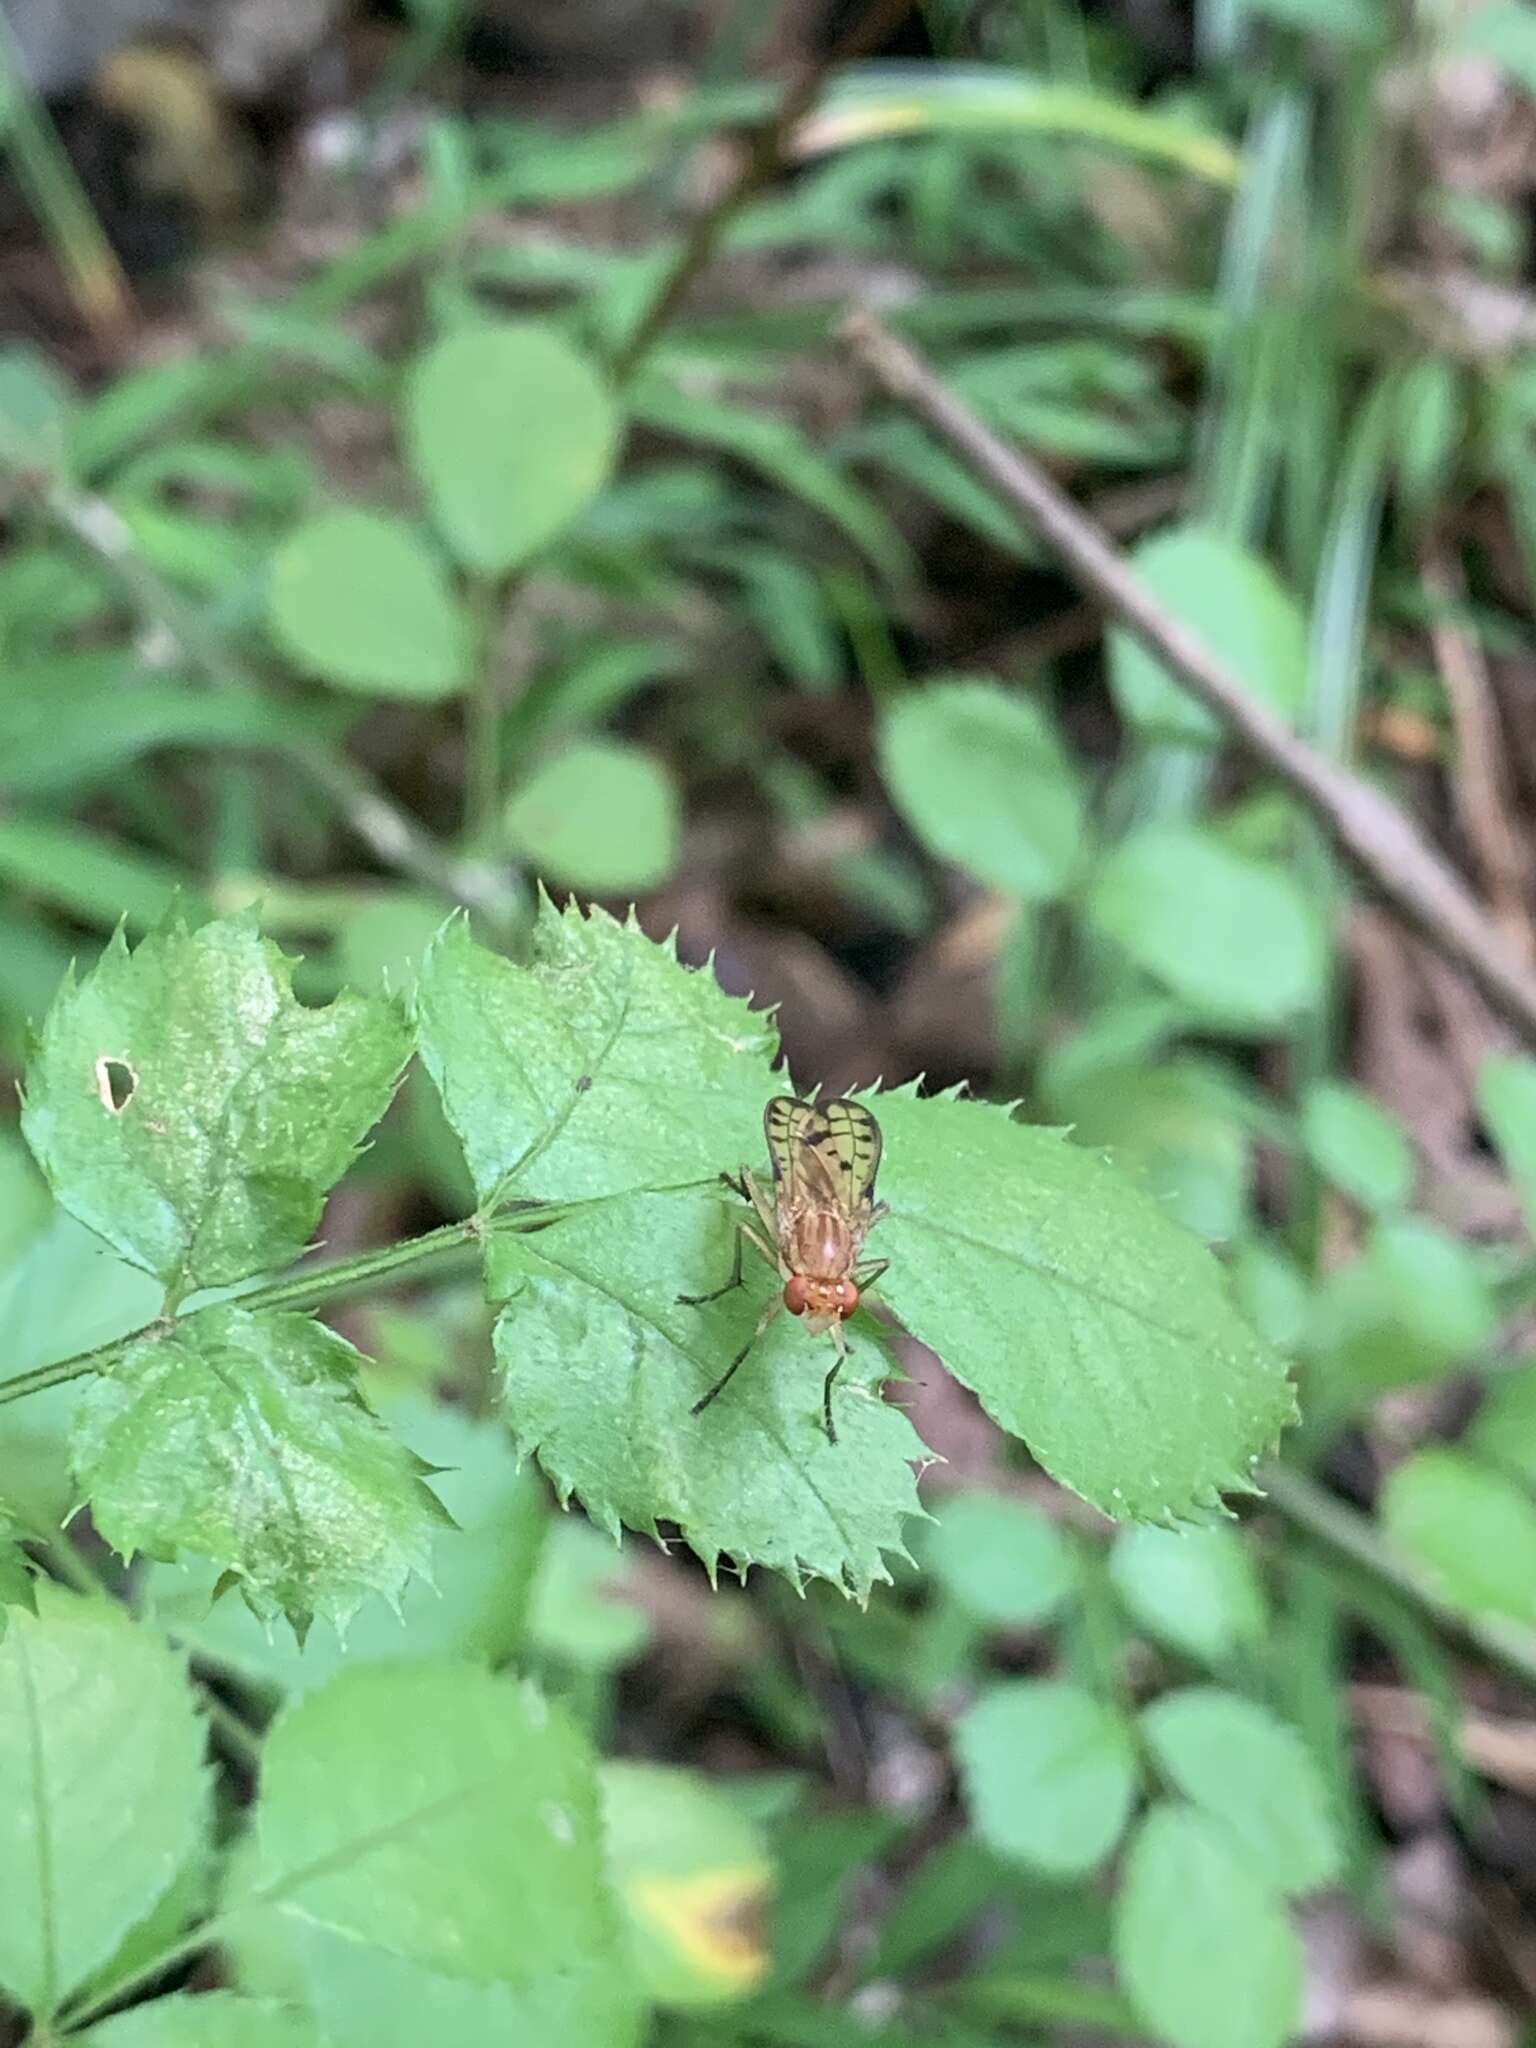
(812, 1227)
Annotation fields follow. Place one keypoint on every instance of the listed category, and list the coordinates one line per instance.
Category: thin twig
(1478, 787)
(389, 832)
(761, 165)
(1381, 840)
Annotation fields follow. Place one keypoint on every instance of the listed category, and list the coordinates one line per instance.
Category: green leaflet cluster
(192, 1112)
(184, 1105)
(364, 1899)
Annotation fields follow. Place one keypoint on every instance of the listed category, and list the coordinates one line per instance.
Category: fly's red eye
(847, 1298)
(797, 1294)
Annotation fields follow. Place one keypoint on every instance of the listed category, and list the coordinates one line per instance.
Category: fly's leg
(726, 1377)
(841, 1343)
(745, 1234)
(865, 1276)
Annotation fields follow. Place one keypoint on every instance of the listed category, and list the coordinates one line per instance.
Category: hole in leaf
(115, 1084)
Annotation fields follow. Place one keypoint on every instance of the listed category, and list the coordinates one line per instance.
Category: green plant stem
(95, 277)
(1058, 2000)
(454, 1244)
(1346, 1532)
(482, 723)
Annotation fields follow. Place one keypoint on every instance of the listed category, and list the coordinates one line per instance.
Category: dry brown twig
(1380, 839)
(1479, 788)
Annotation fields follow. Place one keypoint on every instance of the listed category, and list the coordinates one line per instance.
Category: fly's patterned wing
(826, 1153)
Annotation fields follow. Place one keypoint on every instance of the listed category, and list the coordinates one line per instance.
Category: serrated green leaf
(363, 601)
(1233, 936)
(1205, 1951)
(216, 2019)
(451, 1819)
(600, 1067)
(512, 434)
(1088, 1323)
(602, 1363)
(186, 1108)
(693, 1877)
(1245, 1766)
(600, 816)
(1007, 1564)
(243, 1439)
(981, 776)
(500, 1511)
(103, 1791)
(1194, 1589)
(1049, 1775)
(1470, 1529)
(1356, 1144)
(1242, 612)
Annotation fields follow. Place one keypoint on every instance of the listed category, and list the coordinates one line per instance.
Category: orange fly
(825, 1156)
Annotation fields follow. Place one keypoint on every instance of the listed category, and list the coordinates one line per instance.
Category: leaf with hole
(103, 1792)
(243, 1438)
(190, 1111)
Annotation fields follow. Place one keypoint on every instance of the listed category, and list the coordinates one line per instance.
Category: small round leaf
(1005, 1563)
(1231, 935)
(1354, 1143)
(600, 816)
(512, 434)
(1049, 1775)
(1469, 1528)
(1243, 1764)
(360, 600)
(1205, 1952)
(1193, 1589)
(980, 775)
(1242, 612)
